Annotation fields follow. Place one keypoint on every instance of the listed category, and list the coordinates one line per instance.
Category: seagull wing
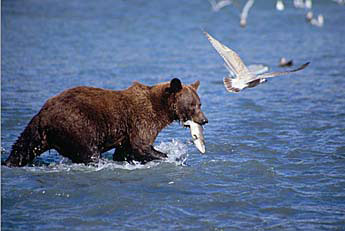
(278, 73)
(231, 59)
(257, 69)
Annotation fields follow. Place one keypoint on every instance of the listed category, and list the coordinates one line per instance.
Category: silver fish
(196, 131)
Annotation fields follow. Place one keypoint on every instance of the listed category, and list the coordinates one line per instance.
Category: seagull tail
(228, 85)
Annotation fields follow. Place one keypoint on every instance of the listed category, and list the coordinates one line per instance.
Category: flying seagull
(243, 78)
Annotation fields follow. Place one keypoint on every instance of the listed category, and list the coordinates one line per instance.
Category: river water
(275, 153)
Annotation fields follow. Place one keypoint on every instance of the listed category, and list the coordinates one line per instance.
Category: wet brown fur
(83, 122)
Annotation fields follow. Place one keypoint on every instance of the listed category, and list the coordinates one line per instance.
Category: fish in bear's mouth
(196, 130)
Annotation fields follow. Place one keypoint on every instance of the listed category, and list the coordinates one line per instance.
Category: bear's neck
(162, 105)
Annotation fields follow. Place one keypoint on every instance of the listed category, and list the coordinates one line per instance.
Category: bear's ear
(196, 85)
(175, 86)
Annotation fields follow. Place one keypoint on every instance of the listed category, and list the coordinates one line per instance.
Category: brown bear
(83, 122)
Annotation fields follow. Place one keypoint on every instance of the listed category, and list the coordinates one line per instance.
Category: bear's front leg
(143, 151)
(147, 153)
(158, 154)
(138, 154)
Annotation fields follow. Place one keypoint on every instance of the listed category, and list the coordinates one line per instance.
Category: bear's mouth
(186, 124)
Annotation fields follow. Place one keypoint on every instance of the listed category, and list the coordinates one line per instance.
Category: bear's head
(186, 102)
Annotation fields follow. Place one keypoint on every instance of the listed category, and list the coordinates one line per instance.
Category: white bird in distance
(303, 4)
(298, 3)
(245, 11)
(340, 2)
(243, 78)
(308, 4)
(319, 21)
(280, 5)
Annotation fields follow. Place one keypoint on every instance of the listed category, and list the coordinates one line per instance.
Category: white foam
(177, 154)
(177, 151)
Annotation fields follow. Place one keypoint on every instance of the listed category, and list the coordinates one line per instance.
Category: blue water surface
(275, 155)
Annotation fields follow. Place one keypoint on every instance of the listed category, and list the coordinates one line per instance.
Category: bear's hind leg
(80, 154)
(31, 143)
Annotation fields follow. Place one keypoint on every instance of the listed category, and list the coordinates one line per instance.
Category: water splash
(177, 154)
(176, 150)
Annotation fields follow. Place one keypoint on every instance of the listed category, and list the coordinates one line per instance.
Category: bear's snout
(204, 121)
(200, 119)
